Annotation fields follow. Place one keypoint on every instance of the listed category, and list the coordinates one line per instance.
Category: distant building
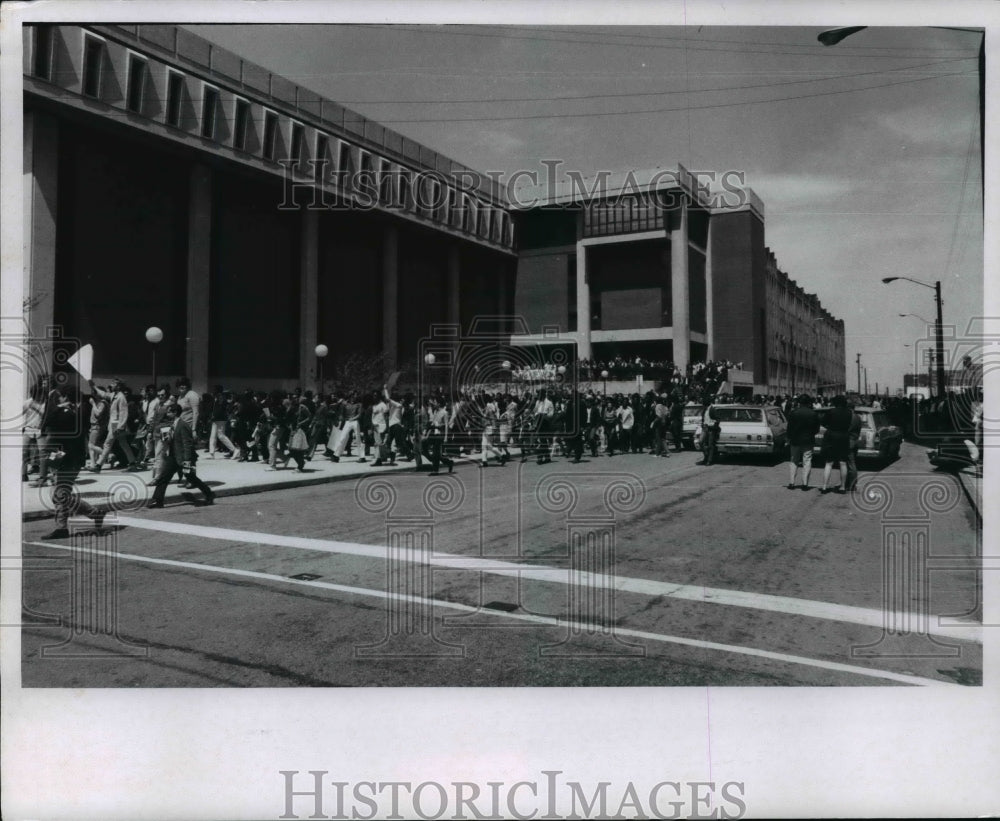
(651, 264)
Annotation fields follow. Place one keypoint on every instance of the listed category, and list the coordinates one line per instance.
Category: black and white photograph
(504, 412)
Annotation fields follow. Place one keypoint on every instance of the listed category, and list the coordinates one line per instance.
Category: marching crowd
(163, 428)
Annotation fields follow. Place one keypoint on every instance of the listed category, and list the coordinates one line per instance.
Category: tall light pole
(859, 374)
(154, 336)
(939, 330)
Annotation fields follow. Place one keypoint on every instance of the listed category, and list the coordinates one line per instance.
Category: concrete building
(171, 183)
(653, 264)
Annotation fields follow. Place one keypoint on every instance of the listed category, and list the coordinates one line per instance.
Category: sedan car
(750, 429)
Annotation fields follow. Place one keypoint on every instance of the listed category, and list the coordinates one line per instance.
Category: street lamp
(321, 352)
(604, 376)
(154, 336)
(939, 330)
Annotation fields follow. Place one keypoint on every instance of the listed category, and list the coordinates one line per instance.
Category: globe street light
(939, 330)
(154, 336)
(321, 352)
(604, 376)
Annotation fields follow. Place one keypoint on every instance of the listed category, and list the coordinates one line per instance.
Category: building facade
(652, 264)
(171, 183)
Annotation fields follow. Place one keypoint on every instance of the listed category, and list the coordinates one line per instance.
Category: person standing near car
(836, 442)
(709, 434)
(803, 425)
(853, 443)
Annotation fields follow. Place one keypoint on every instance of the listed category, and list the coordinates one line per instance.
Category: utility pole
(859, 374)
(866, 381)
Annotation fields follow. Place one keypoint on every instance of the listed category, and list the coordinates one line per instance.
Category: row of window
(354, 170)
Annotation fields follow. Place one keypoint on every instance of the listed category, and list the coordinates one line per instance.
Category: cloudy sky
(866, 154)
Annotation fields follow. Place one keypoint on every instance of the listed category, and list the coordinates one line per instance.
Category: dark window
(570, 290)
(321, 158)
(93, 67)
(136, 83)
(404, 190)
(209, 112)
(43, 52)
(270, 134)
(298, 142)
(175, 91)
(242, 125)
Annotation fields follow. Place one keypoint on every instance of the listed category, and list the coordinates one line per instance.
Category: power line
(649, 93)
(666, 110)
(687, 44)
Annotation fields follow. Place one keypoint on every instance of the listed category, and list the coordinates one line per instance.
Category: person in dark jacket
(180, 457)
(68, 454)
(836, 442)
(803, 425)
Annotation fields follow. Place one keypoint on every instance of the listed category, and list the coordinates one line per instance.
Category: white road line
(869, 617)
(528, 617)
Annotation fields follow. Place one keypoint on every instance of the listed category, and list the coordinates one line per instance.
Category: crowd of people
(163, 428)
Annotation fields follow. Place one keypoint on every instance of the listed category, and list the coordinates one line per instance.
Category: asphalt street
(620, 571)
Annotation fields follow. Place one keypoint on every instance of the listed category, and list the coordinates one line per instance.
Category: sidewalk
(130, 491)
(971, 479)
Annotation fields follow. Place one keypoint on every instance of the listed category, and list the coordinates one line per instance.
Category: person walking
(298, 441)
(437, 430)
(803, 425)
(180, 457)
(220, 418)
(117, 424)
(68, 437)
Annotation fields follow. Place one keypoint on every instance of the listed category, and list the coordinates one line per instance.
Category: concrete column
(680, 319)
(709, 312)
(503, 303)
(308, 299)
(41, 173)
(199, 277)
(454, 314)
(584, 348)
(390, 295)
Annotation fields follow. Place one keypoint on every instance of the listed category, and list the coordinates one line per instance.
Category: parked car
(880, 440)
(692, 421)
(749, 429)
(954, 454)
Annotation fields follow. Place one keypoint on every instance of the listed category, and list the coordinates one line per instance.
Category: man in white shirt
(117, 424)
(380, 424)
(544, 411)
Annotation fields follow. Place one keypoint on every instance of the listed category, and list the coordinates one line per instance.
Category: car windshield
(724, 414)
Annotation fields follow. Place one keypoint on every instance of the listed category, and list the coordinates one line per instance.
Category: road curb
(222, 493)
(971, 495)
